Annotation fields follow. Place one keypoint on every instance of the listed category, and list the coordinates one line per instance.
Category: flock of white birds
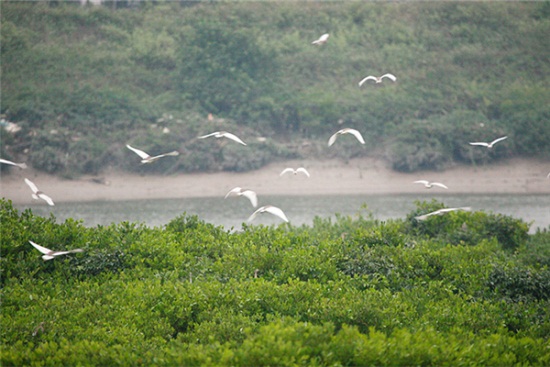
(247, 193)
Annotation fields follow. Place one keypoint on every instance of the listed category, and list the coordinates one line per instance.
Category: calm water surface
(232, 212)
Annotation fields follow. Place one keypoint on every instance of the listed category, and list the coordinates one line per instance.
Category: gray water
(232, 212)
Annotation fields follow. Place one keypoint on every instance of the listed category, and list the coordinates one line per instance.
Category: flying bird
(354, 132)
(146, 158)
(37, 194)
(440, 212)
(295, 171)
(378, 79)
(20, 165)
(322, 40)
(489, 145)
(429, 185)
(269, 209)
(224, 134)
(249, 194)
(50, 254)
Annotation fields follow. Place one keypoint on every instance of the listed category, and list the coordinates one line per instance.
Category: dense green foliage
(84, 81)
(459, 289)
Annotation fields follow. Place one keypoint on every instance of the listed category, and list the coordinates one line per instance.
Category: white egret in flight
(223, 134)
(295, 171)
(322, 40)
(269, 209)
(249, 194)
(354, 132)
(429, 185)
(378, 79)
(489, 145)
(37, 194)
(50, 254)
(146, 158)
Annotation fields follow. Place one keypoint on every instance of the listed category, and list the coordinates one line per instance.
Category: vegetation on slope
(82, 82)
(466, 288)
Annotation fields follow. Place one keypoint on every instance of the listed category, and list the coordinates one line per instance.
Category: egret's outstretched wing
(439, 184)
(251, 195)
(31, 185)
(20, 165)
(370, 77)
(389, 76)
(46, 198)
(141, 153)
(480, 143)
(497, 140)
(43, 250)
(172, 154)
(303, 170)
(286, 170)
(232, 137)
(332, 139)
(423, 182)
(253, 215)
(441, 211)
(208, 135)
(355, 133)
(276, 211)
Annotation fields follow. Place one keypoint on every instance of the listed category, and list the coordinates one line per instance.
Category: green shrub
(518, 283)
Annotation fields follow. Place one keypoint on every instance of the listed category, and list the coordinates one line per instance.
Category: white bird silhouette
(440, 212)
(269, 209)
(429, 184)
(249, 194)
(20, 165)
(322, 40)
(146, 158)
(37, 194)
(354, 132)
(295, 171)
(224, 134)
(489, 145)
(378, 79)
(50, 254)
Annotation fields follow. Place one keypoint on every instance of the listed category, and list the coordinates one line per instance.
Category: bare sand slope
(358, 176)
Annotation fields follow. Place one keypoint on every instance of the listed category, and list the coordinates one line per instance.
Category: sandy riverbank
(358, 176)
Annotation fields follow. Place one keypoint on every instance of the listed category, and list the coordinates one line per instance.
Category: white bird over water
(49, 254)
(20, 165)
(322, 40)
(354, 132)
(429, 185)
(146, 158)
(37, 194)
(295, 171)
(223, 134)
(441, 211)
(249, 194)
(378, 79)
(489, 145)
(269, 209)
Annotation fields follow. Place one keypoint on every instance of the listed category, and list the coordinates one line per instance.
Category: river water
(232, 212)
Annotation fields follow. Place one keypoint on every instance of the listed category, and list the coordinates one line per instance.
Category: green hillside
(462, 289)
(83, 81)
